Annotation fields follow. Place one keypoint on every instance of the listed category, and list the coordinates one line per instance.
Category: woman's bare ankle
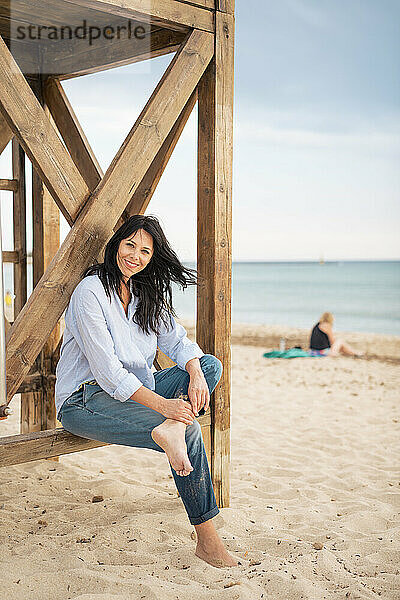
(211, 548)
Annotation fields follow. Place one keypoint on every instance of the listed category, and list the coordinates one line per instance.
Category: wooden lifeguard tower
(37, 116)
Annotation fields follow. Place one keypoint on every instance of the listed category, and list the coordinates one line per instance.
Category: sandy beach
(315, 494)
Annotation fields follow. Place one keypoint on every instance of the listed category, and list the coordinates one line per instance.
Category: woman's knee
(210, 363)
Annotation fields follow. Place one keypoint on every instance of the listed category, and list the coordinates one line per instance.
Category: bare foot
(170, 435)
(215, 554)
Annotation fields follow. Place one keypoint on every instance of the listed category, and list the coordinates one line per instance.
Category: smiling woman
(118, 315)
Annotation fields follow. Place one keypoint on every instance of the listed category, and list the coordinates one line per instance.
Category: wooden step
(25, 447)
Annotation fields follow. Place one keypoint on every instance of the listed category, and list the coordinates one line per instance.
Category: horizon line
(307, 260)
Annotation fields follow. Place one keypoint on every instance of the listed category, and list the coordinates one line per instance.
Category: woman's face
(134, 253)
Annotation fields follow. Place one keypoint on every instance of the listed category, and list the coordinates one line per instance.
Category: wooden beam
(16, 449)
(214, 247)
(38, 406)
(8, 185)
(100, 214)
(78, 59)
(38, 137)
(144, 192)
(19, 229)
(72, 133)
(166, 13)
(10, 256)
(5, 134)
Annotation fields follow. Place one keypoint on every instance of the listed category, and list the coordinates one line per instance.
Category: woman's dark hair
(153, 284)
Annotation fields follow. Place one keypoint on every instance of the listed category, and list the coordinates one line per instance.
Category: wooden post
(20, 283)
(38, 407)
(214, 247)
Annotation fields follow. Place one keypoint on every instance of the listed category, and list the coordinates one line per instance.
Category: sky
(316, 134)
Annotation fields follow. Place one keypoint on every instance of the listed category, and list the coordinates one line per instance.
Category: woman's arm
(173, 341)
(327, 328)
(198, 391)
(174, 408)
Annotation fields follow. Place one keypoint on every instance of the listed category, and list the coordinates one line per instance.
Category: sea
(363, 295)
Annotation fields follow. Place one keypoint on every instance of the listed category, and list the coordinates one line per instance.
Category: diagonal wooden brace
(28, 121)
(102, 211)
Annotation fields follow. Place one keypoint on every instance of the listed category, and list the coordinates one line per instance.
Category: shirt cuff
(127, 387)
(187, 354)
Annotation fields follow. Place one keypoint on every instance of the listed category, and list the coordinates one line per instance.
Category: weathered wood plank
(9, 185)
(38, 137)
(16, 449)
(72, 133)
(142, 196)
(77, 59)
(10, 256)
(214, 248)
(175, 15)
(91, 229)
(19, 219)
(26, 447)
(38, 406)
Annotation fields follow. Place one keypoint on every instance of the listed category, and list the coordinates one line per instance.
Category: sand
(315, 495)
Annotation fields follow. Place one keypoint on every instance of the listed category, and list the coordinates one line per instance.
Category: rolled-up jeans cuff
(208, 515)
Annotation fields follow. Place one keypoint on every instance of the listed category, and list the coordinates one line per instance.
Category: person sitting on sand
(323, 342)
(118, 314)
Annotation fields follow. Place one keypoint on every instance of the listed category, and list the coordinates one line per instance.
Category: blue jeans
(92, 413)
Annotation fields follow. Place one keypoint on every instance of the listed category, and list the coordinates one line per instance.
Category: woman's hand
(178, 409)
(198, 392)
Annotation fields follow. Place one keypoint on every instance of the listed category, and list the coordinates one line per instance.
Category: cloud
(252, 131)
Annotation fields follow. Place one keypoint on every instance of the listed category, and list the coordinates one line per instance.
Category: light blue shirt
(102, 343)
